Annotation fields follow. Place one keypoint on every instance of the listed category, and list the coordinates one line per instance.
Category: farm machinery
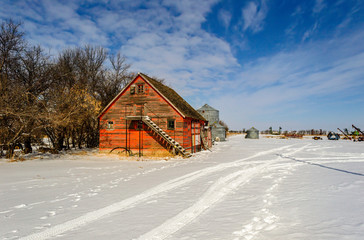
(333, 136)
(347, 137)
(359, 135)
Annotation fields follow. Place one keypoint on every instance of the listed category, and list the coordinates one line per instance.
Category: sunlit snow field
(243, 189)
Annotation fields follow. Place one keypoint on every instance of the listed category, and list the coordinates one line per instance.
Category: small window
(171, 124)
(110, 125)
(140, 88)
(132, 89)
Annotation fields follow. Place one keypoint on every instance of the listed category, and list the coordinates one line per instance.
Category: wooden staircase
(177, 147)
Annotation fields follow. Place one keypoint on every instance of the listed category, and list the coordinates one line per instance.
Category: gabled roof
(207, 107)
(252, 129)
(171, 96)
(174, 98)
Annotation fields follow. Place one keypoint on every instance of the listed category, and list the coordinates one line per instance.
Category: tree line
(58, 97)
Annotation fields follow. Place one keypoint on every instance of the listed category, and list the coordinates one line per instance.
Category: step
(171, 141)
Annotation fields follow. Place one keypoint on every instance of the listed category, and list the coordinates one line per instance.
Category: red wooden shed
(147, 117)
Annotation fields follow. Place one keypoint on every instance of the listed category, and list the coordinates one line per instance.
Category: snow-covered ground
(243, 189)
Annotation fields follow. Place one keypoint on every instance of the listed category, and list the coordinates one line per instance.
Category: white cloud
(293, 83)
(166, 55)
(54, 24)
(191, 13)
(165, 39)
(225, 18)
(184, 49)
(319, 6)
(308, 33)
(298, 11)
(254, 15)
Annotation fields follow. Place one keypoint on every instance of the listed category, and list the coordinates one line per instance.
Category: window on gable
(140, 88)
(110, 125)
(170, 124)
(132, 89)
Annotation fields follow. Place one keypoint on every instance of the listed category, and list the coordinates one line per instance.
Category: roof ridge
(207, 107)
(169, 93)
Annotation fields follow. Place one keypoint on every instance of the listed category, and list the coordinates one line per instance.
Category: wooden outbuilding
(149, 118)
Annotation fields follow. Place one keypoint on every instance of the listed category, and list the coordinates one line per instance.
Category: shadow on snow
(320, 165)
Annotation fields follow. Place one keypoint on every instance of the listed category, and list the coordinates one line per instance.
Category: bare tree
(11, 48)
(222, 123)
(60, 98)
(73, 99)
(33, 79)
(115, 79)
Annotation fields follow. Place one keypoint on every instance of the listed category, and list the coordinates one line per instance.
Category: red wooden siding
(148, 103)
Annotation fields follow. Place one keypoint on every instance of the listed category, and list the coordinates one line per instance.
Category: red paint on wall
(140, 98)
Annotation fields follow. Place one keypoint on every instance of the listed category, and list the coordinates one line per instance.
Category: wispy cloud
(166, 39)
(308, 33)
(295, 16)
(297, 82)
(319, 6)
(298, 11)
(55, 25)
(225, 17)
(254, 15)
(184, 49)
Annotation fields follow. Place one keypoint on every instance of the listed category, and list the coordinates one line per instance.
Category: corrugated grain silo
(211, 114)
(252, 133)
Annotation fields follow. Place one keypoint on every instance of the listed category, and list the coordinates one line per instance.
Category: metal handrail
(178, 147)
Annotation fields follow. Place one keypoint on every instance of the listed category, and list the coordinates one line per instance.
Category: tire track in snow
(76, 196)
(132, 201)
(216, 192)
(264, 220)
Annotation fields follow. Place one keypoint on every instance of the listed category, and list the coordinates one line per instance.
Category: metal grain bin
(252, 133)
(209, 113)
(218, 131)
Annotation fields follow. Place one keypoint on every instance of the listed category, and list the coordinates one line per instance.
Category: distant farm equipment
(358, 132)
(347, 137)
(357, 135)
(333, 136)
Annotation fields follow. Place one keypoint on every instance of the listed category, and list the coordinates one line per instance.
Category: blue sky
(294, 64)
